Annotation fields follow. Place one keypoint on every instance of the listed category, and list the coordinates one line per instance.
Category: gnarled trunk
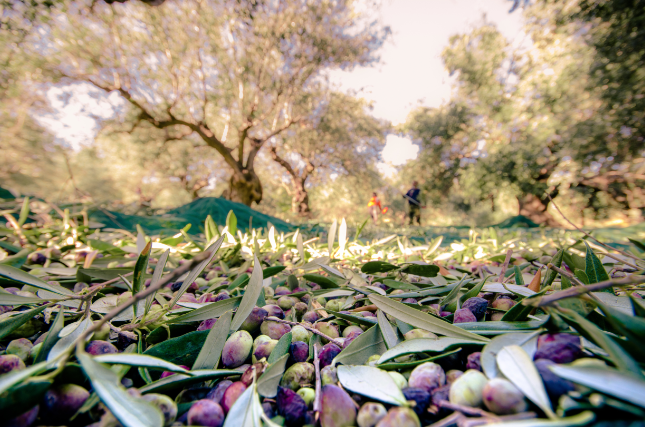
(245, 187)
(300, 198)
(535, 209)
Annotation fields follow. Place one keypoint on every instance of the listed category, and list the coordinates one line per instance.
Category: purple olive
(98, 347)
(477, 307)
(338, 408)
(61, 402)
(291, 406)
(299, 351)
(217, 392)
(328, 353)
(206, 413)
(463, 315)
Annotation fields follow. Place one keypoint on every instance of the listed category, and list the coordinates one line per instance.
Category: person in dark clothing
(412, 196)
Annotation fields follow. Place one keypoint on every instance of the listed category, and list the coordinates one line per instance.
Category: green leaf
(210, 311)
(67, 341)
(587, 329)
(503, 288)
(390, 335)
(582, 276)
(24, 212)
(231, 222)
(8, 325)
(52, 336)
(11, 299)
(23, 397)
(129, 410)
(281, 348)
(211, 351)
(197, 271)
(450, 300)
(421, 270)
(322, 281)
(270, 380)
(182, 350)
(400, 285)
(14, 377)
(520, 312)
(365, 345)
(640, 245)
(474, 291)
(517, 366)
(239, 281)
(178, 381)
(373, 267)
(371, 382)
(245, 412)
(594, 268)
(551, 275)
(251, 294)
(519, 280)
(638, 305)
(20, 276)
(365, 321)
(581, 419)
(391, 366)
(103, 246)
(606, 380)
(420, 319)
(500, 327)
(425, 345)
(104, 273)
(488, 356)
(272, 271)
(331, 236)
(139, 272)
(145, 361)
(156, 276)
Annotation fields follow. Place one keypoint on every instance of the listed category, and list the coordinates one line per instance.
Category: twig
(581, 290)
(627, 254)
(318, 388)
(467, 410)
(315, 331)
(507, 260)
(142, 295)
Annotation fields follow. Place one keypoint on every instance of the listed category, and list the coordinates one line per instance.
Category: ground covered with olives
(255, 327)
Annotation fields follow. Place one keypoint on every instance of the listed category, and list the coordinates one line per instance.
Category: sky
(409, 74)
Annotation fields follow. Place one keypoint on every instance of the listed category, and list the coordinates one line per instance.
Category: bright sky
(411, 72)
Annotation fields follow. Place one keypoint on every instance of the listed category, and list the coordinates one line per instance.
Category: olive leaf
(8, 325)
(52, 336)
(420, 319)
(177, 381)
(331, 236)
(270, 380)
(606, 380)
(251, 294)
(517, 366)
(25, 278)
(11, 299)
(581, 419)
(142, 360)
(14, 377)
(139, 271)
(488, 358)
(281, 348)
(129, 410)
(245, 412)
(594, 269)
(371, 382)
(210, 311)
(362, 347)
(373, 267)
(156, 276)
(322, 281)
(197, 270)
(425, 345)
(211, 351)
(65, 342)
(390, 335)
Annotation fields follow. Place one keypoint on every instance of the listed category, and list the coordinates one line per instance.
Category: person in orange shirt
(374, 207)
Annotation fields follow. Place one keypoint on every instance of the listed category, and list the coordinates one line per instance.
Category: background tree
(226, 71)
(338, 137)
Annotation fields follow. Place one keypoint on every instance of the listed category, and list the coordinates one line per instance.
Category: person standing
(374, 207)
(412, 196)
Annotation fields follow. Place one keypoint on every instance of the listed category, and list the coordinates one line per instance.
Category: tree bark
(535, 209)
(245, 187)
(300, 199)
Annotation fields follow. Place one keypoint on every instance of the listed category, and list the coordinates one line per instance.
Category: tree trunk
(300, 198)
(535, 209)
(245, 187)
